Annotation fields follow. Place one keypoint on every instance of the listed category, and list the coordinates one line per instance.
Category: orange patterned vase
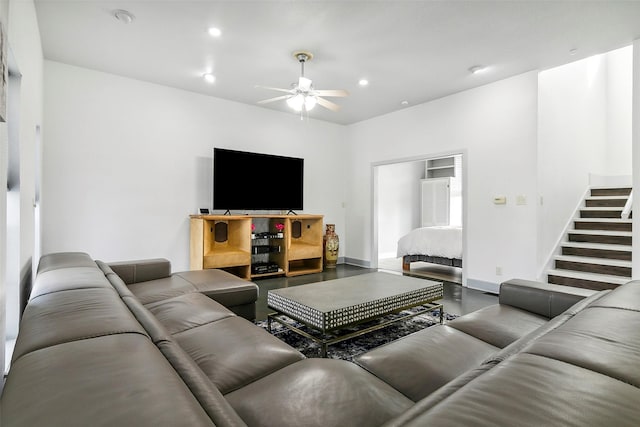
(331, 245)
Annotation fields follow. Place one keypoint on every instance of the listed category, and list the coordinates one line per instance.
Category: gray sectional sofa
(132, 344)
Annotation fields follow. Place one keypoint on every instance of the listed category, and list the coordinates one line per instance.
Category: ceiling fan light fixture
(304, 84)
(302, 96)
(300, 101)
(310, 102)
(296, 102)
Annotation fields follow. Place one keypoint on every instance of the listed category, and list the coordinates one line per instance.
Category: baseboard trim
(483, 286)
(357, 262)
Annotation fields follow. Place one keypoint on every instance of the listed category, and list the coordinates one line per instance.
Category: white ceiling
(408, 50)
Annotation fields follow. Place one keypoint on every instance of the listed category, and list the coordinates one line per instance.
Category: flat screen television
(254, 181)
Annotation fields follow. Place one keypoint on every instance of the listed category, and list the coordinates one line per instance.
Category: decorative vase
(331, 245)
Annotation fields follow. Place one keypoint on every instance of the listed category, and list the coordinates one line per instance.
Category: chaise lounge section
(133, 344)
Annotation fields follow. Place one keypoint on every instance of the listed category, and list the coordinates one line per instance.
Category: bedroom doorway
(404, 199)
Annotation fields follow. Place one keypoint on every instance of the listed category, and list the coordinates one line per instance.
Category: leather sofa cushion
(498, 325)
(224, 287)
(69, 278)
(422, 362)
(187, 311)
(142, 270)
(114, 380)
(212, 401)
(608, 347)
(624, 298)
(530, 390)
(318, 392)
(233, 352)
(60, 317)
(55, 261)
(161, 289)
(545, 299)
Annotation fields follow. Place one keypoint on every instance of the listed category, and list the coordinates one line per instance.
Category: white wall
(496, 124)
(398, 203)
(584, 127)
(126, 162)
(619, 89)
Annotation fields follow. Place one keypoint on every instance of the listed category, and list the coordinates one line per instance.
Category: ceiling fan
(302, 96)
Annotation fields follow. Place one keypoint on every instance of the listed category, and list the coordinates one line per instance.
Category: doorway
(397, 208)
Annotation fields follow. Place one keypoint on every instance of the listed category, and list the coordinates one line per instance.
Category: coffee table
(328, 306)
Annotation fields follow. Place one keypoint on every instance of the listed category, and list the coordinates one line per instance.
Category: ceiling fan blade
(331, 92)
(277, 98)
(304, 84)
(328, 104)
(275, 88)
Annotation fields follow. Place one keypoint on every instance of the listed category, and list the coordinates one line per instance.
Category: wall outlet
(498, 271)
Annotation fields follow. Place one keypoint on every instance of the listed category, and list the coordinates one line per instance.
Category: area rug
(350, 348)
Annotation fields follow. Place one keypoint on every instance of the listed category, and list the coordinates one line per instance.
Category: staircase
(596, 253)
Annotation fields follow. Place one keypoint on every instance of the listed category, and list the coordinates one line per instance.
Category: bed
(438, 245)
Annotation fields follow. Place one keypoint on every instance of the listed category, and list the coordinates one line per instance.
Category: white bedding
(442, 241)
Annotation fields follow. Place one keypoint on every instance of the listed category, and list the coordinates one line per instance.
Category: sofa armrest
(541, 298)
(142, 270)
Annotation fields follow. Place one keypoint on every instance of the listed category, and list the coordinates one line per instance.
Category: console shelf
(254, 246)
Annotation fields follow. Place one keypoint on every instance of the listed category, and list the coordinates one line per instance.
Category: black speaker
(296, 229)
(221, 232)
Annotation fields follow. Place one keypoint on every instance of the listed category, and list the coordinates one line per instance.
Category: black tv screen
(255, 181)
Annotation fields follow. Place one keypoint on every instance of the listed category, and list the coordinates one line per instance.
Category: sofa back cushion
(60, 260)
(71, 315)
(112, 380)
(498, 324)
(602, 338)
(142, 270)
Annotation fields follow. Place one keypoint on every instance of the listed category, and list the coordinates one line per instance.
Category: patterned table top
(336, 303)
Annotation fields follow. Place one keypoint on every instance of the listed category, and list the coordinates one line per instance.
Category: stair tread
(601, 208)
(602, 232)
(602, 246)
(595, 277)
(605, 220)
(599, 261)
(606, 197)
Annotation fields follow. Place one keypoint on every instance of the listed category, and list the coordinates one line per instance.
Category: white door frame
(425, 157)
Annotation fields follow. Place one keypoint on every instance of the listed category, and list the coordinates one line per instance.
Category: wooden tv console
(246, 245)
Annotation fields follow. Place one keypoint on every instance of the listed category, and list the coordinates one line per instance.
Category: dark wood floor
(457, 299)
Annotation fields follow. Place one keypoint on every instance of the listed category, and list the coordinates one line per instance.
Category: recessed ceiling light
(363, 82)
(404, 103)
(214, 32)
(477, 69)
(209, 77)
(123, 16)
